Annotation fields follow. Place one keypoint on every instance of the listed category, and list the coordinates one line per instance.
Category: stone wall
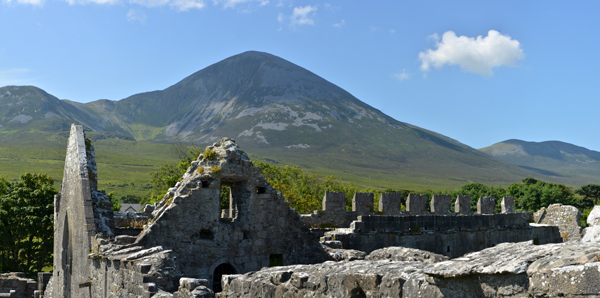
(566, 218)
(450, 235)
(17, 285)
(514, 270)
(260, 230)
(334, 214)
(74, 223)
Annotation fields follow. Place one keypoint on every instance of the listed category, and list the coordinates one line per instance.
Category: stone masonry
(362, 203)
(416, 203)
(462, 205)
(508, 204)
(390, 203)
(440, 204)
(486, 205)
(566, 218)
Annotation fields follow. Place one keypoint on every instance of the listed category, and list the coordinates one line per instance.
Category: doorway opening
(223, 269)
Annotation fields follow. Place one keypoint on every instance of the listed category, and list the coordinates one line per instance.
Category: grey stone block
(462, 205)
(390, 203)
(416, 204)
(440, 204)
(508, 204)
(486, 205)
(362, 203)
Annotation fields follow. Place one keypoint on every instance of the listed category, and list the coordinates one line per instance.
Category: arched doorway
(223, 269)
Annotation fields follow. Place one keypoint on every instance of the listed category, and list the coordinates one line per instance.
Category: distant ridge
(560, 158)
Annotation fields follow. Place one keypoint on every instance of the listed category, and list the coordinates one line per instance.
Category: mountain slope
(561, 158)
(278, 110)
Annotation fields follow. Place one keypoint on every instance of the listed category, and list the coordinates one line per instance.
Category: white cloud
(150, 3)
(234, 3)
(331, 8)
(136, 16)
(14, 76)
(401, 76)
(340, 24)
(302, 15)
(392, 31)
(184, 5)
(27, 2)
(478, 55)
(103, 2)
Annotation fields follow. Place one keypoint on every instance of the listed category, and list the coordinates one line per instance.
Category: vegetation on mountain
(26, 223)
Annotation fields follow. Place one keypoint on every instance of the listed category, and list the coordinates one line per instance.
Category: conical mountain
(281, 111)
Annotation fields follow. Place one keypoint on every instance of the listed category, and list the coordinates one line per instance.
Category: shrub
(209, 154)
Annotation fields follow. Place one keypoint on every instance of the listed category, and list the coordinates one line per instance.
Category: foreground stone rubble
(522, 269)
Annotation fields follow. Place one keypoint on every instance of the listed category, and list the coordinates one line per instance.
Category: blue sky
(478, 71)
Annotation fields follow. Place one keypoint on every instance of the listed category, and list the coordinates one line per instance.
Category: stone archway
(222, 269)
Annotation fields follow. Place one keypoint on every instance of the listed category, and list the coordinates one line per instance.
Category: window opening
(275, 260)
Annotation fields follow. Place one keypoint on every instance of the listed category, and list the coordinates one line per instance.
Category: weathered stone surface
(508, 204)
(440, 204)
(462, 205)
(507, 270)
(416, 204)
(572, 271)
(486, 205)
(17, 285)
(362, 203)
(521, 270)
(390, 203)
(405, 254)
(450, 235)
(362, 278)
(346, 254)
(594, 217)
(566, 218)
(334, 201)
(591, 234)
(80, 211)
(511, 258)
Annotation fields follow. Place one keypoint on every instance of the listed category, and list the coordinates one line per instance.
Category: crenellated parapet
(335, 215)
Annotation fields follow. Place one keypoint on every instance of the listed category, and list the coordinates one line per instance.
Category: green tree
(26, 223)
(532, 194)
(304, 190)
(590, 191)
(168, 175)
(477, 190)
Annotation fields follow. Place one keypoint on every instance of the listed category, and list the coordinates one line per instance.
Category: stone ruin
(186, 246)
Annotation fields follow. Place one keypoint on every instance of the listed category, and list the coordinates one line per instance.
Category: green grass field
(123, 166)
